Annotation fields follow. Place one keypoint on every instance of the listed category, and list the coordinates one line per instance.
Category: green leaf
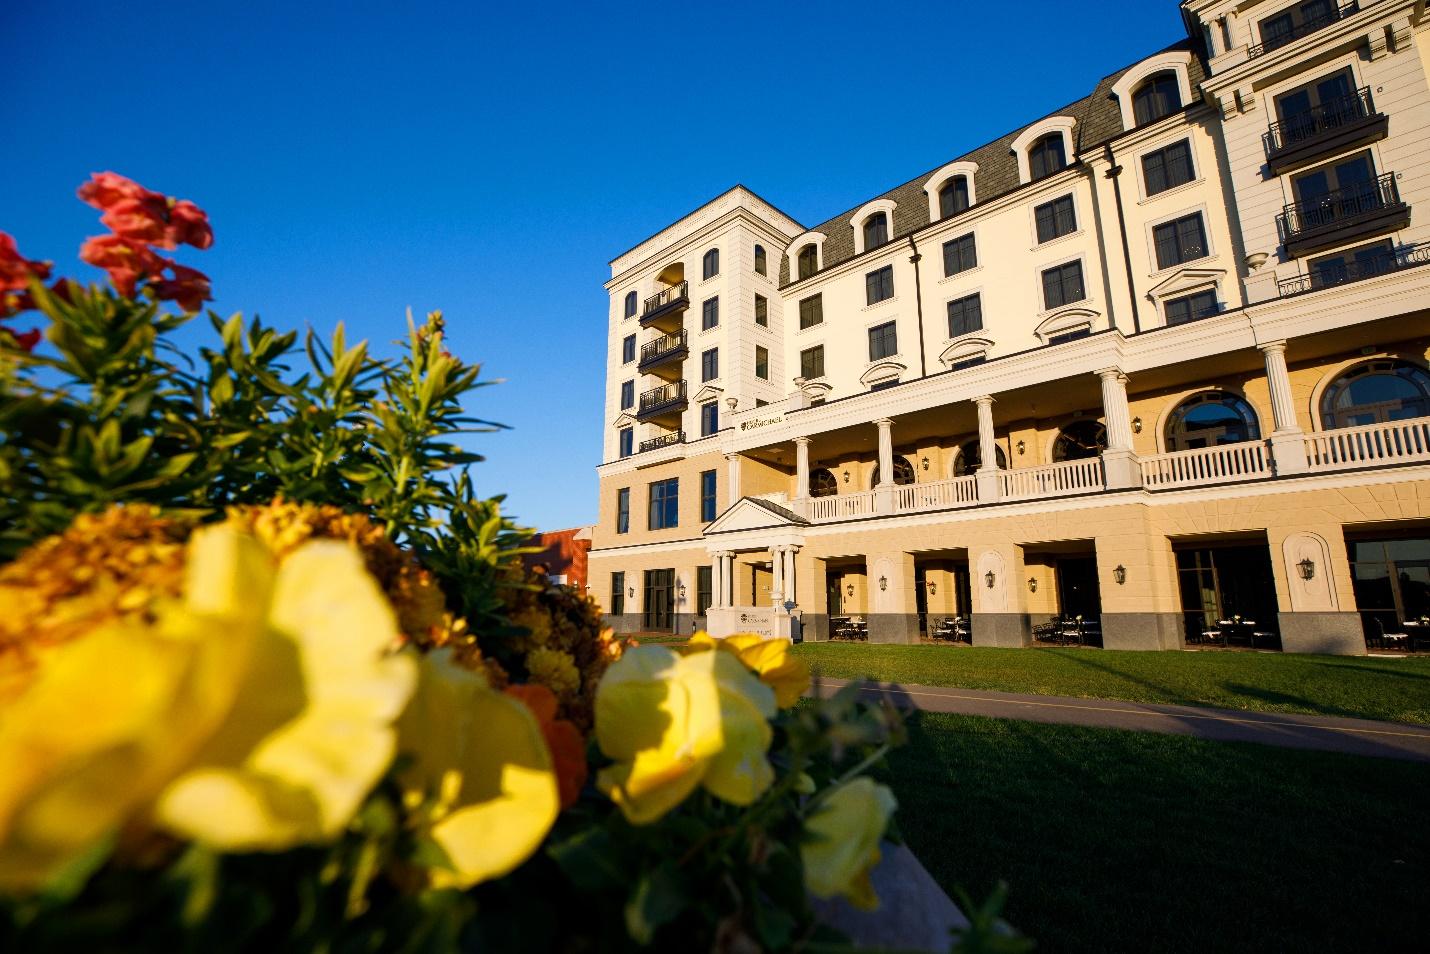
(660, 896)
(589, 860)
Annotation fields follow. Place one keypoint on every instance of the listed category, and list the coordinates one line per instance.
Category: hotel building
(1148, 371)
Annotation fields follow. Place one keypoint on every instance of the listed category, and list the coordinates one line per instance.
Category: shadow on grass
(1388, 671)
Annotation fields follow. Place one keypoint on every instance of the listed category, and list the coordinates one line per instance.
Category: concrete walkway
(1391, 740)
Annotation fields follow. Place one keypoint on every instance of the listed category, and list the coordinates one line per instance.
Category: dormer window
(953, 197)
(876, 231)
(1158, 97)
(1047, 156)
(808, 261)
(760, 264)
(872, 225)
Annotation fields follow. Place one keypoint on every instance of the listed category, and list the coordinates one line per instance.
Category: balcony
(1370, 445)
(1306, 27)
(1343, 216)
(663, 309)
(664, 440)
(1392, 261)
(1332, 127)
(663, 404)
(1222, 464)
(663, 355)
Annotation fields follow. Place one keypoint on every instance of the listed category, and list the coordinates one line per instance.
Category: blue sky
(360, 158)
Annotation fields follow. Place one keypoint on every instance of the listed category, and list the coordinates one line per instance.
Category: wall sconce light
(1032, 584)
(632, 591)
(933, 587)
(680, 590)
(1022, 446)
(1119, 573)
(850, 589)
(925, 462)
(883, 583)
(989, 578)
(1137, 425)
(846, 476)
(1308, 568)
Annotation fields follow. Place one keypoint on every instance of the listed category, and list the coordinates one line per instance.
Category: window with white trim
(965, 315)
(959, 255)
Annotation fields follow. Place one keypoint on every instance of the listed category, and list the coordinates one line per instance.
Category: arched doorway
(1376, 392)
(822, 483)
(903, 472)
(970, 458)
(1080, 440)
(1211, 419)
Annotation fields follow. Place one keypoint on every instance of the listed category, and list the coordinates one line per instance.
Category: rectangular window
(628, 441)
(623, 510)
(762, 363)
(704, 589)
(1168, 168)
(1062, 285)
(628, 394)
(1191, 307)
(709, 313)
(1353, 178)
(968, 362)
(881, 385)
(618, 593)
(709, 418)
(710, 365)
(762, 311)
(664, 504)
(1181, 240)
(965, 316)
(959, 255)
(811, 311)
(707, 495)
(879, 285)
(1352, 264)
(1055, 218)
(1067, 336)
(883, 341)
(811, 362)
(628, 349)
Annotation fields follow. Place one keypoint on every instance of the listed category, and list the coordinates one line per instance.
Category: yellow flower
(254, 715)
(555, 670)
(482, 766)
(673, 722)
(842, 845)
(769, 658)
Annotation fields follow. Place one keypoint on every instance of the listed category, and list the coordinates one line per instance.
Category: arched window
(760, 260)
(970, 458)
(1158, 97)
(903, 472)
(630, 304)
(1376, 392)
(710, 264)
(876, 230)
(1080, 440)
(1211, 419)
(822, 483)
(953, 197)
(1047, 155)
(808, 260)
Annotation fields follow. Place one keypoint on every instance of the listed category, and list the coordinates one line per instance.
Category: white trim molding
(1053, 124)
(1177, 62)
(794, 248)
(1065, 320)
(881, 372)
(868, 209)
(940, 178)
(965, 347)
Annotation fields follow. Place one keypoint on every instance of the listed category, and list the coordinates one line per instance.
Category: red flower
(189, 288)
(15, 269)
(25, 341)
(188, 225)
(105, 189)
(125, 260)
(563, 740)
(143, 220)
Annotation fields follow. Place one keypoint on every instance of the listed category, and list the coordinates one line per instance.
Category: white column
(717, 580)
(791, 593)
(777, 568)
(1114, 409)
(801, 467)
(729, 577)
(1288, 444)
(886, 452)
(989, 488)
(732, 473)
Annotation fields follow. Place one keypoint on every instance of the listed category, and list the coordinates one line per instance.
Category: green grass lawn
(1127, 841)
(1365, 687)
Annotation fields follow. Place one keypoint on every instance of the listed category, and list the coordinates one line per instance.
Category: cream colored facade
(1216, 409)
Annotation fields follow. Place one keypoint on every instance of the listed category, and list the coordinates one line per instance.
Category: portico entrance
(753, 548)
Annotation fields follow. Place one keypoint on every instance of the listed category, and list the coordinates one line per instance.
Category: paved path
(1353, 736)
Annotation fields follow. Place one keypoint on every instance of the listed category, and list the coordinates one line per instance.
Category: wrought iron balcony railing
(664, 440)
(660, 347)
(665, 297)
(1305, 28)
(1327, 117)
(1341, 206)
(1325, 276)
(671, 393)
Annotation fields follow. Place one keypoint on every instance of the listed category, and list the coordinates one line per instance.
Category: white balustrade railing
(1052, 480)
(936, 495)
(1206, 465)
(1394, 442)
(842, 506)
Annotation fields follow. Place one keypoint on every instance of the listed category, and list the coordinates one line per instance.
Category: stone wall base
(893, 627)
(1336, 634)
(1143, 631)
(1005, 630)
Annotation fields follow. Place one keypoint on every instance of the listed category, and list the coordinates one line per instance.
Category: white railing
(841, 506)
(1052, 480)
(936, 495)
(1207, 465)
(1395, 442)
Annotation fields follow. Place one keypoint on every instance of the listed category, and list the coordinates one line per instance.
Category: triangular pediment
(751, 513)
(1186, 280)
(707, 393)
(624, 419)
